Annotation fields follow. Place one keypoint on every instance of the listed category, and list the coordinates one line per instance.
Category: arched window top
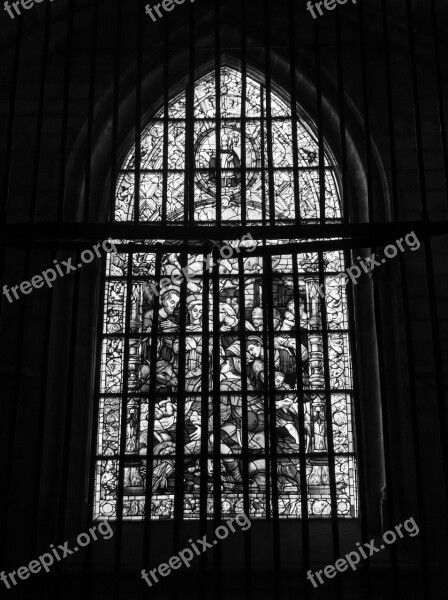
(266, 168)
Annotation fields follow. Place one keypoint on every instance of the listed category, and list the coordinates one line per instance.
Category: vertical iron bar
(243, 16)
(65, 112)
(417, 114)
(116, 109)
(419, 484)
(35, 183)
(305, 528)
(118, 537)
(440, 92)
(207, 351)
(67, 439)
(244, 424)
(359, 447)
(189, 212)
(342, 121)
(267, 64)
(358, 439)
(385, 412)
(294, 115)
(216, 422)
(323, 308)
(366, 113)
(166, 121)
(180, 423)
(11, 118)
(94, 415)
(263, 159)
(216, 312)
(138, 111)
(269, 450)
(329, 420)
(40, 111)
(9, 144)
(153, 336)
(242, 307)
(91, 110)
(320, 135)
(181, 396)
(421, 502)
(3, 211)
(435, 328)
(269, 386)
(217, 27)
(8, 480)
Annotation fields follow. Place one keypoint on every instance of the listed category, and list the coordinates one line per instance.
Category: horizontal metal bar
(131, 458)
(212, 170)
(272, 250)
(365, 234)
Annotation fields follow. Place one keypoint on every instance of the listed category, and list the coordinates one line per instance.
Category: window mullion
(207, 376)
(301, 400)
(328, 407)
(271, 396)
(181, 402)
(217, 478)
(138, 121)
(123, 419)
(166, 120)
(152, 403)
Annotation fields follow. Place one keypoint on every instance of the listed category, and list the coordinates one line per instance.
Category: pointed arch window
(226, 376)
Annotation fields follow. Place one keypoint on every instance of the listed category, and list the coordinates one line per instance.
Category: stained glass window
(225, 367)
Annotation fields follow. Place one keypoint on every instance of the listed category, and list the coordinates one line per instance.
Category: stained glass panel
(274, 350)
(256, 129)
(191, 348)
